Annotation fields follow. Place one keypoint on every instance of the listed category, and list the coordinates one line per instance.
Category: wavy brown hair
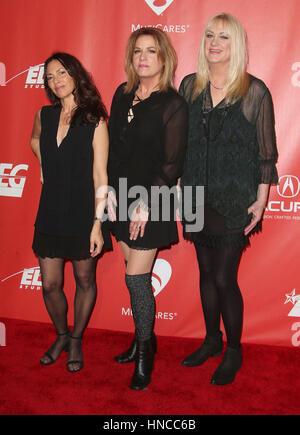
(166, 54)
(90, 108)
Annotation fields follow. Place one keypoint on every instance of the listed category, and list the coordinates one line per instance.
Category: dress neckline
(57, 127)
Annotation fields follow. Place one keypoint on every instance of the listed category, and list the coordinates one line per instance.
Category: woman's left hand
(138, 222)
(257, 209)
(96, 239)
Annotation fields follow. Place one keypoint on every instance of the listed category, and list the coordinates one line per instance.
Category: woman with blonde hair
(232, 153)
(148, 132)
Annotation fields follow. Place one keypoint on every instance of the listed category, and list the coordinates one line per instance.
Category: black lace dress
(67, 205)
(231, 150)
(147, 147)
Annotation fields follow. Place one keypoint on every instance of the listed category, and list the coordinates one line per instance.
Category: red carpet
(268, 383)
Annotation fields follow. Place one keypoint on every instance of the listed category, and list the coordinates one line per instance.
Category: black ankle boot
(212, 346)
(229, 367)
(143, 365)
(129, 354)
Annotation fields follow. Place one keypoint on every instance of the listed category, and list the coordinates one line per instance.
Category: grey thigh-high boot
(143, 310)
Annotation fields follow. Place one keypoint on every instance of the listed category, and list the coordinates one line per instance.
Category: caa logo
(11, 183)
(296, 77)
(159, 6)
(34, 78)
(30, 280)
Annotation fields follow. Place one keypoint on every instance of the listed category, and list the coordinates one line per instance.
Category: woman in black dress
(148, 130)
(70, 140)
(232, 153)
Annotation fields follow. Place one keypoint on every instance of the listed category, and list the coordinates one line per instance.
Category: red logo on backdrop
(161, 275)
(159, 6)
(288, 186)
(287, 205)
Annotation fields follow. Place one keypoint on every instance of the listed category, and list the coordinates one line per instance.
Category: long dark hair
(90, 108)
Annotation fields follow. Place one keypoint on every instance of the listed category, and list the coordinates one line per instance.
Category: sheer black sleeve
(112, 159)
(175, 119)
(175, 141)
(267, 141)
(258, 109)
(186, 87)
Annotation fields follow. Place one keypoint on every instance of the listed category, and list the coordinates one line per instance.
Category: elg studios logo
(11, 181)
(159, 6)
(30, 279)
(34, 77)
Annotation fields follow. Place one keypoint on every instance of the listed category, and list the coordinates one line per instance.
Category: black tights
(220, 293)
(52, 272)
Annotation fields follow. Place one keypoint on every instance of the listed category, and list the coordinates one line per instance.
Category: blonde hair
(166, 54)
(237, 81)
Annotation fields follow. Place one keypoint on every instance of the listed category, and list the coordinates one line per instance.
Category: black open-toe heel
(77, 362)
(52, 360)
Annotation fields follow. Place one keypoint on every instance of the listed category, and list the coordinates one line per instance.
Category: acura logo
(288, 186)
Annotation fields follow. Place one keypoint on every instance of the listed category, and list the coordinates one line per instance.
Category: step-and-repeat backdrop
(96, 32)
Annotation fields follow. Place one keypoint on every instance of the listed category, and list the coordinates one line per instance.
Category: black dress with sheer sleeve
(66, 210)
(147, 147)
(231, 150)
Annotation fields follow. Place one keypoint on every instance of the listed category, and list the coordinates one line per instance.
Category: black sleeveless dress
(67, 204)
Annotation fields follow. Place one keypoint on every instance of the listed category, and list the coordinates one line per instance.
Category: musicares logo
(159, 6)
(161, 275)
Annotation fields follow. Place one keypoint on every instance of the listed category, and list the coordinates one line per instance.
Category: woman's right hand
(41, 176)
(111, 206)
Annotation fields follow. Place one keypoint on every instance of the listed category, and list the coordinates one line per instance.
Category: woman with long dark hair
(70, 140)
(232, 153)
(148, 129)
